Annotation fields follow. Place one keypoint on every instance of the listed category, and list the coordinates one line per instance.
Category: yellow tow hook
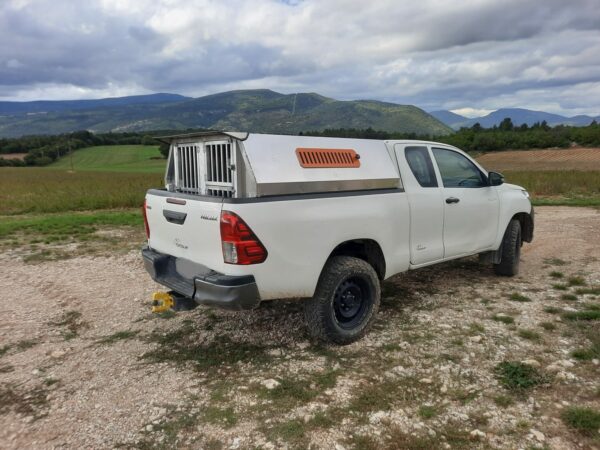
(162, 301)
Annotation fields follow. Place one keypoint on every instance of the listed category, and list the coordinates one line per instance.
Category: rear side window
(420, 163)
(457, 171)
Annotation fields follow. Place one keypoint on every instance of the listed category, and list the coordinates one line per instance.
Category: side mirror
(495, 178)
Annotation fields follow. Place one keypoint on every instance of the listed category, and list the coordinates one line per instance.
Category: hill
(114, 158)
(46, 106)
(260, 110)
(519, 116)
(449, 118)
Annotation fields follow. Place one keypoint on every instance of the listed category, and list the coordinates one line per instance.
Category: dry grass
(585, 159)
(568, 187)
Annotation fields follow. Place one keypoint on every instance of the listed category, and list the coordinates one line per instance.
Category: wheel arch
(368, 250)
(526, 221)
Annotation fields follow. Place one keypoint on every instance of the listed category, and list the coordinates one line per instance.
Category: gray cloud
(481, 54)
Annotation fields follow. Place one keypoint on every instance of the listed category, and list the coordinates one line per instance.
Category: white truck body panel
(298, 251)
(317, 209)
(276, 170)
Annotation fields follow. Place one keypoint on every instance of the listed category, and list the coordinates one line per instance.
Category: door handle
(452, 200)
(174, 216)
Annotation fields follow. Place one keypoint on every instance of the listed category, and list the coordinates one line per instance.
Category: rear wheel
(511, 250)
(345, 302)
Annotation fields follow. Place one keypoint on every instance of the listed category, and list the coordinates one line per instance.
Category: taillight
(146, 220)
(240, 244)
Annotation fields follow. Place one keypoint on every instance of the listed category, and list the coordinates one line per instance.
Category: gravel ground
(84, 364)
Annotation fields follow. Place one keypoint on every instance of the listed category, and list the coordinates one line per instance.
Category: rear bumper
(204, 286)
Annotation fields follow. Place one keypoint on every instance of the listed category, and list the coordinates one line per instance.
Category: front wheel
(511, 250)
(345, 302)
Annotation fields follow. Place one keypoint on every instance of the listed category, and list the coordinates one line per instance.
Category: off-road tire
(511, 250)
(324, 313)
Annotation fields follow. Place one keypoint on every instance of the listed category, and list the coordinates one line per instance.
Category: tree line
(43, 150)
(478, 139)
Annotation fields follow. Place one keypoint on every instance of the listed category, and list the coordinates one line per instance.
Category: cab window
(420, 163)
(457, 171)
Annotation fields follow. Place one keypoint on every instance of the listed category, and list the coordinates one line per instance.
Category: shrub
(518, 376)
(584, 420)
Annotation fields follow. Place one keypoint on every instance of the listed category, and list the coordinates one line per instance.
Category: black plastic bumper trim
(209, 288)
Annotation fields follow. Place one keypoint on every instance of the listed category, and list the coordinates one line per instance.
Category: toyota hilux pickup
(245, 218)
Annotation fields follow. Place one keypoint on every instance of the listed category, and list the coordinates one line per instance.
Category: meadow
(553, 187)
(114, 158)
(44, 190)
(117, 177)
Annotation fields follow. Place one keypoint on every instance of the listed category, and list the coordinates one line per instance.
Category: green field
(115, 158)
(42, 190)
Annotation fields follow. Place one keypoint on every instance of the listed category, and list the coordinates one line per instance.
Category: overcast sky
(471, 56)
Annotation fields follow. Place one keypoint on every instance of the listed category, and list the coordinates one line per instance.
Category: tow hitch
(164, 301)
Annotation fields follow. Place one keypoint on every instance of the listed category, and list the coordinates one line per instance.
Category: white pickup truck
(245, 218)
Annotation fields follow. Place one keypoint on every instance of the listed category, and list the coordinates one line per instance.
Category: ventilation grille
(327, 157)
(186, 159)
(219, 173)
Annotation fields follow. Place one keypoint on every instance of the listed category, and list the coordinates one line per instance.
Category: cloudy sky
(466, 55)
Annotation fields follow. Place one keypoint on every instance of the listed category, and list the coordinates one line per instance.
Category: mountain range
(518, 116)
(260, 110)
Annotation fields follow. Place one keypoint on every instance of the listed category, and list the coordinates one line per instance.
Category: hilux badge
(180, 244)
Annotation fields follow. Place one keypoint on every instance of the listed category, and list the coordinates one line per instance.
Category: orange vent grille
(327, 157)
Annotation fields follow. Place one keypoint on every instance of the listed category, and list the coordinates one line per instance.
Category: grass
(427, 411)
(530, 335)
(516, 297)
(504, 319)
(584, 420)
(504, 401)
(593, 350)
(595, 290)
(114, 158)
(476, 328)
(568, 187)
(556, 274)
(181, 347)
(560, 286)
(553, 310)
(548, 326)
(589, 314)
(220, 416)
(451, 435)
(568, 297)
(56, 227)
(555, 262)
(516, 376)
(118, 336)
(45, 237)
(41, 190)
(576, 281)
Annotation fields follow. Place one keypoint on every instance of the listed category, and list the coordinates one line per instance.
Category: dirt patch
(83, 364)
(549, 159)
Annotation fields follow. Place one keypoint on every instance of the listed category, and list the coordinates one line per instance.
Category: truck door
(471, 206)
(426, 203)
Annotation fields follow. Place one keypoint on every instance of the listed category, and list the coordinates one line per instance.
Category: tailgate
(185, 227)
